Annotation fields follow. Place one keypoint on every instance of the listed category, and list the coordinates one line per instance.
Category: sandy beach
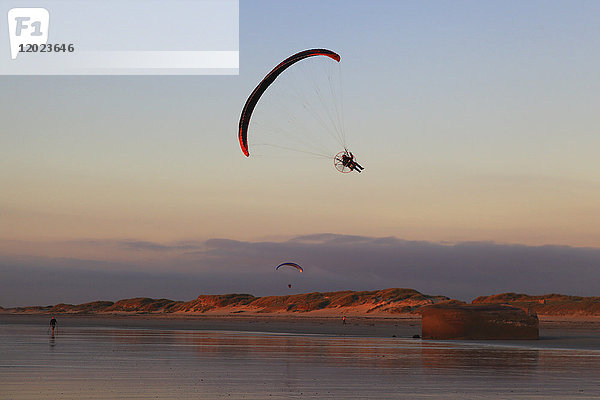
(404, 326)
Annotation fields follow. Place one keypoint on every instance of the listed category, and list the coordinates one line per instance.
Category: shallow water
(88, 362)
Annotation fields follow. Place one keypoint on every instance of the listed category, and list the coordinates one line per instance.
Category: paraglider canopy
(266, 82)
(290, 264)
(301, 112)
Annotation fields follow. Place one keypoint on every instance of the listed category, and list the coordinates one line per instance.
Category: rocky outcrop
(474, 322)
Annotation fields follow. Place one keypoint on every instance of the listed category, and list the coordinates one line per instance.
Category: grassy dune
(384, 302)
(387, 301)
(548, 304)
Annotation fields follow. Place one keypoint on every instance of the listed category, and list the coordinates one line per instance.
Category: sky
(476, 123)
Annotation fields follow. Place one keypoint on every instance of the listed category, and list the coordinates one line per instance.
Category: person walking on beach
(52, 324)
(344, 320)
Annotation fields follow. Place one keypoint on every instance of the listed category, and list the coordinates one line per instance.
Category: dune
(548, 304)
(386, 303)
(378, 302)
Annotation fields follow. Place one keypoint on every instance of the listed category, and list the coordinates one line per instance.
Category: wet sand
(555, 331)
(406, 326)
(144, 357)
(242, 354)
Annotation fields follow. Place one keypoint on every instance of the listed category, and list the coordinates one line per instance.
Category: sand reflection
(106, 363)
(479, 358)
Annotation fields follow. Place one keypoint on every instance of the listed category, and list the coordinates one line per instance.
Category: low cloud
(140, 245)
(331, 262)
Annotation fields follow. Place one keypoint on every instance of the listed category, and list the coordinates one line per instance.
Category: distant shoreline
(271, 316)
(395, 303)
(276, 323)
(399, 326)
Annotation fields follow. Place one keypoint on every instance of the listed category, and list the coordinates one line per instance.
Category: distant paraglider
(290, 264)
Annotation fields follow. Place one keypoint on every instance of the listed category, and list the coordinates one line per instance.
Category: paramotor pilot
(349, 162)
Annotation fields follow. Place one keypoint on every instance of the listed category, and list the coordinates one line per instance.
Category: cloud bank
(184, 270)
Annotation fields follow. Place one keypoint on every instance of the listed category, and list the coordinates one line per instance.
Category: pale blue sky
(441, 99)
(476, 121)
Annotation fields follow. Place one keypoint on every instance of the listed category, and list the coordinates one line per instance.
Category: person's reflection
(52, 343)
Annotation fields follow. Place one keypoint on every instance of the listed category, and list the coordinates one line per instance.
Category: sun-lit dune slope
(86, 307)
(206, 303)
(381, 301)
(30, 309)
(548, 304)
(387, 301)
(142, 304)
